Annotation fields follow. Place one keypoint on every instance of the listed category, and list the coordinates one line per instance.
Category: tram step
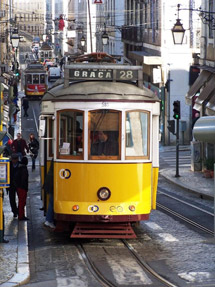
(103, 230)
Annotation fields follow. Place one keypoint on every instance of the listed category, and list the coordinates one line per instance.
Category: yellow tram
(101, 127)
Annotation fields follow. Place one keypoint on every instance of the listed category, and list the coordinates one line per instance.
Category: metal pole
(214, 201)
(177, 149)
(91, 41)
(1, 189)
(1, 217)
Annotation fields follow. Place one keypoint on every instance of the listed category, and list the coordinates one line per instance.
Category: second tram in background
(102, 132)
(35, 80)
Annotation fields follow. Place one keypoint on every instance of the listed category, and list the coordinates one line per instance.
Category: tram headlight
(103, 193)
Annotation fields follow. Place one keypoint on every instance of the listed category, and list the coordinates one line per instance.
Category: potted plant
(209, 168)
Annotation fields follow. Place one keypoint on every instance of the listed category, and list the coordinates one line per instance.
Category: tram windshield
(104, 134)
(137, 134)
(35, 79)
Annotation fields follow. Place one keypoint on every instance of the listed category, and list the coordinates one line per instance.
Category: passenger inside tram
(104, 145)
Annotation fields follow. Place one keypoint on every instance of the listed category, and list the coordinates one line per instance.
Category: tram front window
(104, 134)
(42, 79)
(71, 133)
(137, 134)
(29, 79)
(36, 79)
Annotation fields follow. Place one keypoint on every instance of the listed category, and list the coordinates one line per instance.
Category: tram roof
(99, 90)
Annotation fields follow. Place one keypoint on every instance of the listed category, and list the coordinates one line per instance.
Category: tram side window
(36, 79)
(71, 133)
(104, 134)
(29, 79)
(137, 134)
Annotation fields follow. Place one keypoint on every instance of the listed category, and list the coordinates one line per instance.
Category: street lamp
(105, 37)
(15, 43)
(15, 39)
(178, 31)
(83, 41)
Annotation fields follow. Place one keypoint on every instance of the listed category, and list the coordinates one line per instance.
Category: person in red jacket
(19, 146)
(21, 183)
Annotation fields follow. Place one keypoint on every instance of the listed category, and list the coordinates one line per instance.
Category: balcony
(2, 13)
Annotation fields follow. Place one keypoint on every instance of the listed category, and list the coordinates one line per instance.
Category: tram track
(146, 267)
(156, 279)
(93, 269)
(194, 215)
(187, 220)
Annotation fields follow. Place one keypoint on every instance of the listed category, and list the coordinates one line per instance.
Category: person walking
(14, 165)
(25, 105)
(7, 150)
(33, 146)
(21, 183)
(19, 146)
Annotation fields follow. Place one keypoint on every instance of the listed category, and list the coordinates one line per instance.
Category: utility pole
(90, 25)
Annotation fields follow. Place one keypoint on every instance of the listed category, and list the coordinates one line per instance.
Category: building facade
(30, 17)
(148, 42)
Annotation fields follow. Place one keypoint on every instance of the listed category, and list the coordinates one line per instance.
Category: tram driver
(104, 145)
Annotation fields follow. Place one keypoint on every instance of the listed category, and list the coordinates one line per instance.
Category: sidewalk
(189, 180)
(14, 260)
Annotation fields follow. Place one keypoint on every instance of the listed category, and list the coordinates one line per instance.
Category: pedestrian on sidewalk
(14, 165)
(16, 108)
(19, 146)
(21, 183)
(8, 150)
(33, 146)
(48, 187)
(25, 105)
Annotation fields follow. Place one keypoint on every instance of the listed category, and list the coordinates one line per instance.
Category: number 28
(126, 74)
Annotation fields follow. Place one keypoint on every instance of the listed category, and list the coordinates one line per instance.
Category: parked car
(54, 73)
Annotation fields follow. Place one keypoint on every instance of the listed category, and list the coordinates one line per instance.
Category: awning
(205, 94)
(210, 107)
(5, 86)
(200, 81)
(145, 58)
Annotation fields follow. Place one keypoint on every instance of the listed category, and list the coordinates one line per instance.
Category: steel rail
(185, 219)
(146, 267)
(182, 201)
(92, 268)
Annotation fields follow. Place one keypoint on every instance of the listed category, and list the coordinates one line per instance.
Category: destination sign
(91, 74)
(103, 74)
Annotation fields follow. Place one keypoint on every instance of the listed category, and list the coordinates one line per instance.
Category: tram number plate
(126, 75)
(103, 74)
